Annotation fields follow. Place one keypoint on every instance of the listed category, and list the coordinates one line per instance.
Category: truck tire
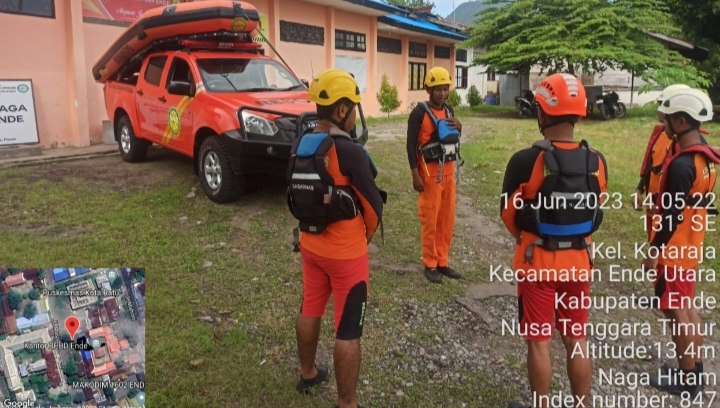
(131, 148)
(221, 185)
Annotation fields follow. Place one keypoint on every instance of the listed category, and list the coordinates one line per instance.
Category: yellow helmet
(437, 76)
(332, 85)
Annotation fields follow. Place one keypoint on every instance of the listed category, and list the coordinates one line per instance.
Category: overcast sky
(445, 7)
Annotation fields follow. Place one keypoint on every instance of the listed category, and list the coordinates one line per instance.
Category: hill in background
(465, 12)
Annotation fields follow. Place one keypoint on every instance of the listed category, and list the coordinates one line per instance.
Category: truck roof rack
(218, 40)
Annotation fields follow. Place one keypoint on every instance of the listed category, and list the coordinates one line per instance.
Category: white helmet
(694, 102)
(670, 89)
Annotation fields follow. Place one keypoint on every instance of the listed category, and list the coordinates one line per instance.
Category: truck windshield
(245, 75)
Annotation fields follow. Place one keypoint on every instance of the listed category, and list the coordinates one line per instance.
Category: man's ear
(341, 110)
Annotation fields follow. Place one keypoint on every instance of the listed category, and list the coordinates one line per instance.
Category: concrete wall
(70, 107)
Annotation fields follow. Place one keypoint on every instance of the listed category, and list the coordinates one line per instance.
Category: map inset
(72, 337)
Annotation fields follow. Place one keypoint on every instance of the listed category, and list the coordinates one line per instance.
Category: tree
(25, 295)
(14, 299)
(4, 274)
(388, 96)
(473, 96)
(76, 356)
(119, 362)
(78, 398)
(573, 35)
(117, 283)
(30, 311)
(41, 274)
(71, 368)
(454, 99)
(132, 393)
(34, 294)
(109, 392)
(700, 23)
(65, 338)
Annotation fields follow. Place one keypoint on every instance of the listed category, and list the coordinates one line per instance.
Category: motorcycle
(610, 105)
(524, 105)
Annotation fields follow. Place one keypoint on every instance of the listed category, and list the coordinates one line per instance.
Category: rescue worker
(684, 200)
(657, 151)
(332, 193)
(433, 134)
(553, 238)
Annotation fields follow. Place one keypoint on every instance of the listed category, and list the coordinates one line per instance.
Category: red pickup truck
(236, 112)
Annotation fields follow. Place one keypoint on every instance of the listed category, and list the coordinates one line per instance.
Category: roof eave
(410, 27)
(379, 6)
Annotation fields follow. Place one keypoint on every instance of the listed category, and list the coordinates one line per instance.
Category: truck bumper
(255, 157)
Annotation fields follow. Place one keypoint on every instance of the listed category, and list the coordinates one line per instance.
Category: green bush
(473, 96)
(388, 96)
(454, 99)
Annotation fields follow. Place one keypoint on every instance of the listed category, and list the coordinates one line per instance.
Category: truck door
(148, 95)
(175, 115)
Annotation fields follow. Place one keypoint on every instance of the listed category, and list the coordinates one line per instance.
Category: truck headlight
(257, 124)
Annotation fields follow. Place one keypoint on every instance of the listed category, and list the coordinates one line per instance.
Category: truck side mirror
(305, 82)
(180, 88)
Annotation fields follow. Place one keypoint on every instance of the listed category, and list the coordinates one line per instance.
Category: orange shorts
(542, 303)
(346, 280)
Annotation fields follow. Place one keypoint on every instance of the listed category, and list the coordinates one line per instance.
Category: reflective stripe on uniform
(306, 176)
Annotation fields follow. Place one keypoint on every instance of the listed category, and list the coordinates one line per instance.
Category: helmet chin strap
(677, 136)
(341, 124)
(553, 123)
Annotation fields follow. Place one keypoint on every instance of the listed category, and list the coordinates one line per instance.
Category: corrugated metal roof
(61, 274)
(422, 26)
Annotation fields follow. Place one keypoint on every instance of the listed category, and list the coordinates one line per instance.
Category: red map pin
(72, 324)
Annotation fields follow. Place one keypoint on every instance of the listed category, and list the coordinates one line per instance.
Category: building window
(348, 40)
(154, 70)
(461, 77)
(389, 45)
(418, 50)
(416, 75)
(301, 33)
(36, 8)
(461, 55)
(442, 52)
(491, 75)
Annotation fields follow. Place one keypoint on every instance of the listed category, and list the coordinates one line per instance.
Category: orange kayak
(178, 20)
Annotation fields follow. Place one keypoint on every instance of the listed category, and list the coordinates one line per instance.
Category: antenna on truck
(271, 46)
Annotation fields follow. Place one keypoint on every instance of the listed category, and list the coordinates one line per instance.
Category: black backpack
(567, 208)
(312, 195)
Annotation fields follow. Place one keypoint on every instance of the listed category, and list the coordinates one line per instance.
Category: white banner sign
(18, 122)
(356, 66)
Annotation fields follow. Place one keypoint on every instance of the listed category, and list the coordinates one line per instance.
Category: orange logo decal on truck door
(174, 114)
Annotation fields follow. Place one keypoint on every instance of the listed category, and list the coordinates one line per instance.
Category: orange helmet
(562, 94)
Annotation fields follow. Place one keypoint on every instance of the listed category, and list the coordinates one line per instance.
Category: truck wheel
(132, 149)
(221, 185)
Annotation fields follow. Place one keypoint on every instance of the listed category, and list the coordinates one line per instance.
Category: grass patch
(254, 275)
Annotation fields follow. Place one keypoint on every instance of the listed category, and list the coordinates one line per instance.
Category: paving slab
(62, 154)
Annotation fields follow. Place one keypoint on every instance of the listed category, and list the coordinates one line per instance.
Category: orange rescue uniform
(436, 204)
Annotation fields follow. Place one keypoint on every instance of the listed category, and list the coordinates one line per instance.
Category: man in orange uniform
(433, 147)
(659, 148)
(554, 235)
(333, 194)
(683, 207)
